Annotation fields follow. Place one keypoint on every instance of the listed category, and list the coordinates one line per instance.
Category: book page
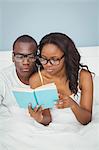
(46, 86)
(46, 95)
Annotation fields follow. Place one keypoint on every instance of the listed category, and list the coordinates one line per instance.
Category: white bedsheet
(18, 131)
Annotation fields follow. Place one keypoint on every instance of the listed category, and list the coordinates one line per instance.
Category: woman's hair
(72, 56)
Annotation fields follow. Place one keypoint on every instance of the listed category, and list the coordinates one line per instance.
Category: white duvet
(20, 132)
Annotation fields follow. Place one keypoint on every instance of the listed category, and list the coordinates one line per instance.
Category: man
(18, 74)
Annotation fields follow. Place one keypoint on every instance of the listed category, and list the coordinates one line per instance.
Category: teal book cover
(24, 97)
(45, 96)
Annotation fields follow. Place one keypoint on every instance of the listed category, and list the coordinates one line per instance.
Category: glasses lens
(43, 60)
(31, 57)
(18, 57)
(54, 62)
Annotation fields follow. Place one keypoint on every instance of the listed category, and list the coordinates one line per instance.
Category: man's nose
(25, 60)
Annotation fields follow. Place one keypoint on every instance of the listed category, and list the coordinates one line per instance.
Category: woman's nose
(48, 64)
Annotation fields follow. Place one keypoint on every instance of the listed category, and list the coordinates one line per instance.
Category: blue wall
(77, 18)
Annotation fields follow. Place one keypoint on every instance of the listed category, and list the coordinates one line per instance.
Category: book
(45, 96)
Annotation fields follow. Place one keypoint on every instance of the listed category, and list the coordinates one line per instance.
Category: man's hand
(36, 113)
(41, 115)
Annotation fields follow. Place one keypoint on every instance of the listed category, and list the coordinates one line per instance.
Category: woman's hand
(64, 102)
(36, 113)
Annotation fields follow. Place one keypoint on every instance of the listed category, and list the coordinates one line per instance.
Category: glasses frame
(24, 56)
(51, 60)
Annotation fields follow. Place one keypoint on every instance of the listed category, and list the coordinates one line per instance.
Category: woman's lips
(49, 70)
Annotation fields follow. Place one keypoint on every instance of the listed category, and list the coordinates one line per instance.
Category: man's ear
(12, 57)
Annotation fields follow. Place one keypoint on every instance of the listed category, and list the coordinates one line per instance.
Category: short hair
(25, 38)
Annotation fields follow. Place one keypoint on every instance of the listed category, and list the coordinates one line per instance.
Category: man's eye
(19, 56)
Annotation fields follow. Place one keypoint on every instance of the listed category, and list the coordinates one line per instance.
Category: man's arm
(40, 115)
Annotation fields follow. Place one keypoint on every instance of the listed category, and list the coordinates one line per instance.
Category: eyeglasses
(20, 57)
(53, 61)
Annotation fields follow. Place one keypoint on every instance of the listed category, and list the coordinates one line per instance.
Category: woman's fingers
(60, 104)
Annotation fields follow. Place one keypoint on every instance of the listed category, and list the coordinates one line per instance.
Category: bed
(19, 132)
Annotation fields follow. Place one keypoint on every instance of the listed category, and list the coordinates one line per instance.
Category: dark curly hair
(72, 56)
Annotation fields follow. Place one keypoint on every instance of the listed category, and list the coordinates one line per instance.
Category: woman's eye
(54, 59)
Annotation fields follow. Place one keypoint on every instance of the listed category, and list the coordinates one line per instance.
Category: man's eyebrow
(23, 53)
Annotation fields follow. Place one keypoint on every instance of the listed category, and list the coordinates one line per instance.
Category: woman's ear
(12, 57)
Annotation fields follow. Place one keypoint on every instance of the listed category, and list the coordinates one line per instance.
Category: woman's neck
(61, 74)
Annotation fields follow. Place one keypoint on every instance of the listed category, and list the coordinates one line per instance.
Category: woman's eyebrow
(50, 57)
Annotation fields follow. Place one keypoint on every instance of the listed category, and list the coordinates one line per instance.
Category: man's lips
(25, 69)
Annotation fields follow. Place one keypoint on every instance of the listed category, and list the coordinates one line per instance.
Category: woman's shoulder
(34, 76)
(85, 77)
(84, 73)
(34, 80)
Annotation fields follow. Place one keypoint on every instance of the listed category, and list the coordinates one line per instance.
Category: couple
(60, 62)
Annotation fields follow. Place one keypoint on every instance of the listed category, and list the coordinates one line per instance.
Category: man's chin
(26, 72)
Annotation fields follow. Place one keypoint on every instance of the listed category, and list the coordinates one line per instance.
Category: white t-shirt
(8, 80)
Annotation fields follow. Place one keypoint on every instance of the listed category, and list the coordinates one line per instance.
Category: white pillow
(96, 89)
(5, 59)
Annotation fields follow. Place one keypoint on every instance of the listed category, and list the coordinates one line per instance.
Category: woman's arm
(83, 111)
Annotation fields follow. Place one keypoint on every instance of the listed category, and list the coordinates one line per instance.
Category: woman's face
(52, 59)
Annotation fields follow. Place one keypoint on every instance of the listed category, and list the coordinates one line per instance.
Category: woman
(61, 64)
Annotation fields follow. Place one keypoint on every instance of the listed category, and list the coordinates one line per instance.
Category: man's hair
(25, 38)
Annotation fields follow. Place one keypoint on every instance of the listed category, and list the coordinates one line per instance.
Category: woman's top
(63, 115)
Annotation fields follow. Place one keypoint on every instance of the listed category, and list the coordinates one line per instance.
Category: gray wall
(77, 18)
(1, 30)
(98, 22)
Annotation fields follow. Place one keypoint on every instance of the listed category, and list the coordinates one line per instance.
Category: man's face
(24, 65)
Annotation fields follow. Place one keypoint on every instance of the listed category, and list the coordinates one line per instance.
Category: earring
(38, 52)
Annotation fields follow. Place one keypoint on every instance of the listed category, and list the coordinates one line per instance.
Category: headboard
(89, 56)
(5, 59)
